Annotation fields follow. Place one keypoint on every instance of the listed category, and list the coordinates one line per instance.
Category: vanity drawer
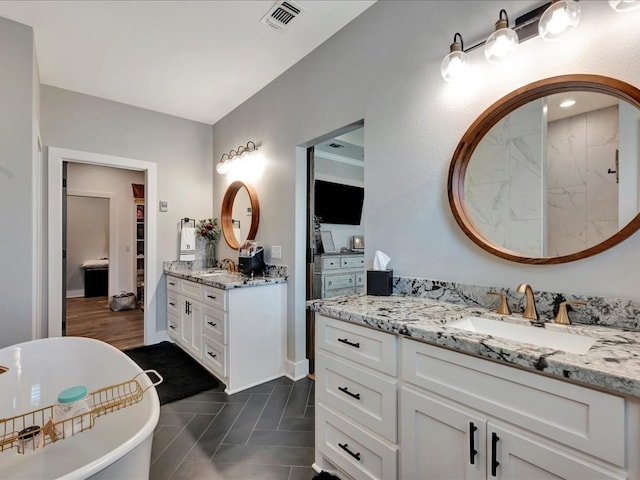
(173, 326)
(216, 297)
(173, 283)
(214, 356)
(191, 289)
(332, 282)
(588, 420)
(367, 397)
(331, 263)
(213, 324)
(339, 291)
(173, 304)
(356, 452)
(352, 262)
(371, 348)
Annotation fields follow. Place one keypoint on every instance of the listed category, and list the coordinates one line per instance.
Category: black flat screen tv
(338, 203)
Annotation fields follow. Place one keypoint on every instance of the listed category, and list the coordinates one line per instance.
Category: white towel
(187, 244)
(238, 235)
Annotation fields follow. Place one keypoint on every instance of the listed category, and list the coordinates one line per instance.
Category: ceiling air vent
(281, 14)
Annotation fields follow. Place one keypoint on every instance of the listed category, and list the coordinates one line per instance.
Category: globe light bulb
(559, 19)
(455, 64)
(502, 42)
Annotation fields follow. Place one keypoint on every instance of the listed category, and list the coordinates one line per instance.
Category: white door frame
(56, 157)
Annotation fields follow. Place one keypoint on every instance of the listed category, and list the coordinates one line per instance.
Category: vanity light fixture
(561, 17)
(242, 153)
(624, 5)
(456, 62)
(551, 20)
(502, 42)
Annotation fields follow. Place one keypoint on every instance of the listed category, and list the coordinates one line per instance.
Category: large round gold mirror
(240, 214)
(550, 173)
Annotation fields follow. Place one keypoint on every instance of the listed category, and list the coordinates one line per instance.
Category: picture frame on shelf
(327, 241)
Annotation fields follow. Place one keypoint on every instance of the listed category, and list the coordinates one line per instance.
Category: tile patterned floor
(266, 432)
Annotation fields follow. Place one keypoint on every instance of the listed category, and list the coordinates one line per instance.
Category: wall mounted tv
(338, 203)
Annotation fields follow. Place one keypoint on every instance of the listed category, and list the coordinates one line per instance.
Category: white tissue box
(379, 282)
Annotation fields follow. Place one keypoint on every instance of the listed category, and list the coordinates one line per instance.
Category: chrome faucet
(530, 311)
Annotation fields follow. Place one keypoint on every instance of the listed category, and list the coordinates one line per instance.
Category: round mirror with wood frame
(227, 213)
(470, 144)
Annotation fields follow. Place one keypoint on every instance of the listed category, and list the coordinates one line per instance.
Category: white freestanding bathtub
(119, 444)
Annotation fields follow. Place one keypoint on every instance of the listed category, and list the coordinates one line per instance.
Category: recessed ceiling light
(567, 103)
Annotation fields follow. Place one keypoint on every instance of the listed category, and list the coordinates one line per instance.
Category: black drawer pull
(351, 344)
(171, 283)
(212, 355)
(346, 390)
(172, 304)
(494, 453)
(212, 297)
(472, 443)
(172, 327)
(212, 324)
(345, 447)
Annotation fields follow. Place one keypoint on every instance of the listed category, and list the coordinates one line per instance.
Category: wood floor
(91, 317)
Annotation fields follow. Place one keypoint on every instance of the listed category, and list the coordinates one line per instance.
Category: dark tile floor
(266, 432)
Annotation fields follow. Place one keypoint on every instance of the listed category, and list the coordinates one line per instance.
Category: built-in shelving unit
(139, 243)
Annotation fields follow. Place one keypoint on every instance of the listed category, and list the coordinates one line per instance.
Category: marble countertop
(612, 363)
(223, 279)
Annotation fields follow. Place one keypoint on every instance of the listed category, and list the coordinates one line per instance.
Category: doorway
(57, 157)
(335, 162)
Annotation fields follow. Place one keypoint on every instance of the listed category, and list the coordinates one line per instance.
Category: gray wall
(388, 61)
(87, 237)
(181, 149)
(16, 127)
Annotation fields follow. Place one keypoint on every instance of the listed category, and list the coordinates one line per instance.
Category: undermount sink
(213, 274)
(568, 342)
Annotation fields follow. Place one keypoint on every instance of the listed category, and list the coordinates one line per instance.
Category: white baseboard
(75, 293)
(161, 336)
(297, 370)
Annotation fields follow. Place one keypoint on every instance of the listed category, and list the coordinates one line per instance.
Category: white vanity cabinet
(237, 334)
(356, 400)
(458, 416)
(467, 418)
(173, 309)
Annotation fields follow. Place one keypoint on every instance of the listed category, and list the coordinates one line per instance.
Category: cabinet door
(438, 440)
(191, 327)
(516, 456)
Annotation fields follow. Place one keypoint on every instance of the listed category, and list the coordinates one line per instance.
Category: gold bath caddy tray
(36, 429)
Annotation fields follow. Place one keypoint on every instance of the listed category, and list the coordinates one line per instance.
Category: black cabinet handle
(494, 453)
(171, 283)
(351, 394)
(472, 443)
(186, 308)
(345, 447)
(212, 355)
(212, 324)
(172, 327)
(172, 304)
(351, 344)
(212, 297)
